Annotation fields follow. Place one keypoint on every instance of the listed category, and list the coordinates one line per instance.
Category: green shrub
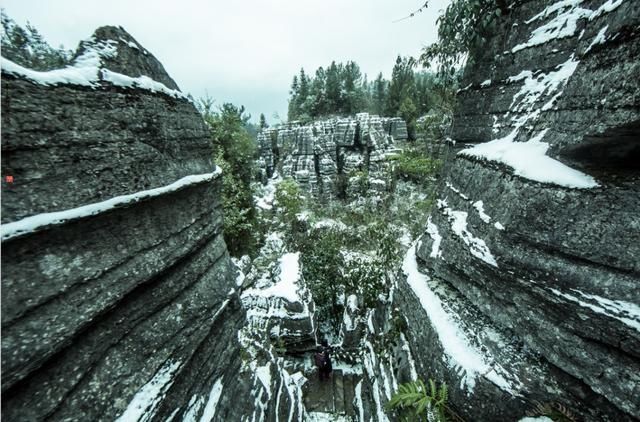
(415, 166)
(239, 222)
(413, 400)
(289, 200)
(322, 264)
(366, 278)
(361, 181)
(233, 152)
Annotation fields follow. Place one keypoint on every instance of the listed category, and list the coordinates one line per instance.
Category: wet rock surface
(541, 280)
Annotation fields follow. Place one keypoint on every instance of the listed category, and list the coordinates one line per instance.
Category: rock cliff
(117, 289)
(524, 291)
(317, 155)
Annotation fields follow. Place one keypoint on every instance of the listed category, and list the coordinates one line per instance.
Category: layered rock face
(55, 138)
(525, 289)
(117, 288)
(315, 154)
(279, 304)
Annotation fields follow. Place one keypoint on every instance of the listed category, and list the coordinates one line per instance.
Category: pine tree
(319, 106)
(27, 47)
(379, 95)
(294, 111)
(367, 98)
(402, 91)
(343, 90)
(263, 122)
(334, 88)
(353, 95)
(426, 92)
(303, 104)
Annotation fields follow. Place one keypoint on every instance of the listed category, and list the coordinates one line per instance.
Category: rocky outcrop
(278, 303)
(117, 289)
(525, 287)
(318, 155)
(55, 138)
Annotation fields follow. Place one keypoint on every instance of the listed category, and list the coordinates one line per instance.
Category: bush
(322, 265)
(415, 166)
(239, 217)
(233, 152)
(337, 263)
(289, 200)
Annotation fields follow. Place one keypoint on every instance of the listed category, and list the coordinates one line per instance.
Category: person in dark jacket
(323, 361)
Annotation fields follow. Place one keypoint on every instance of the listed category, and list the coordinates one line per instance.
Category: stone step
(318, 395)
(338, 392)
(349, 393)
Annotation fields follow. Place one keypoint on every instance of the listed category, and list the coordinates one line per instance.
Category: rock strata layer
(529, 283)
(117, 290)
(318, 155)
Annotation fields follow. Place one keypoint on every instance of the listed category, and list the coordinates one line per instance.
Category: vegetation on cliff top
(342, 90)
(26, 47)
(463, 29)
(234, 152)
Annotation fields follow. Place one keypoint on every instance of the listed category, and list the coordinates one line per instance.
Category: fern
(415, 399)
(556, 411)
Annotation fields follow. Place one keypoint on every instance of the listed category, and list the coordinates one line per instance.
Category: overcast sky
(245, 52)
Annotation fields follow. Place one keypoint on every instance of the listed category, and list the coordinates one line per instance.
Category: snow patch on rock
(598, 39)
(626, 312)
(479, 206)
(87, 71)
(287, 286)
(562, 26)
(214, 396)
(529, 159)
(460, 352)
(458, 222)
(143, 405)
(432, 231)
(36, 222)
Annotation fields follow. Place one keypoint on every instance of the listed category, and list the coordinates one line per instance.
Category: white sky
(245, 52)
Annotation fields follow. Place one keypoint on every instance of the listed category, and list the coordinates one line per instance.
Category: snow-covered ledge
(86, 71)
(35, 222)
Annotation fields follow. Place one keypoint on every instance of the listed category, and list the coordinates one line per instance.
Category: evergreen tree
(234, 152)
(353, 96)
(379, 95)
(402, 91)
(319, 106)
(263, 122)
(334, 89)
(427, 92)
(367, 98)
(343, 90)
(294, 111)
(303, 103)
(28, 48)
